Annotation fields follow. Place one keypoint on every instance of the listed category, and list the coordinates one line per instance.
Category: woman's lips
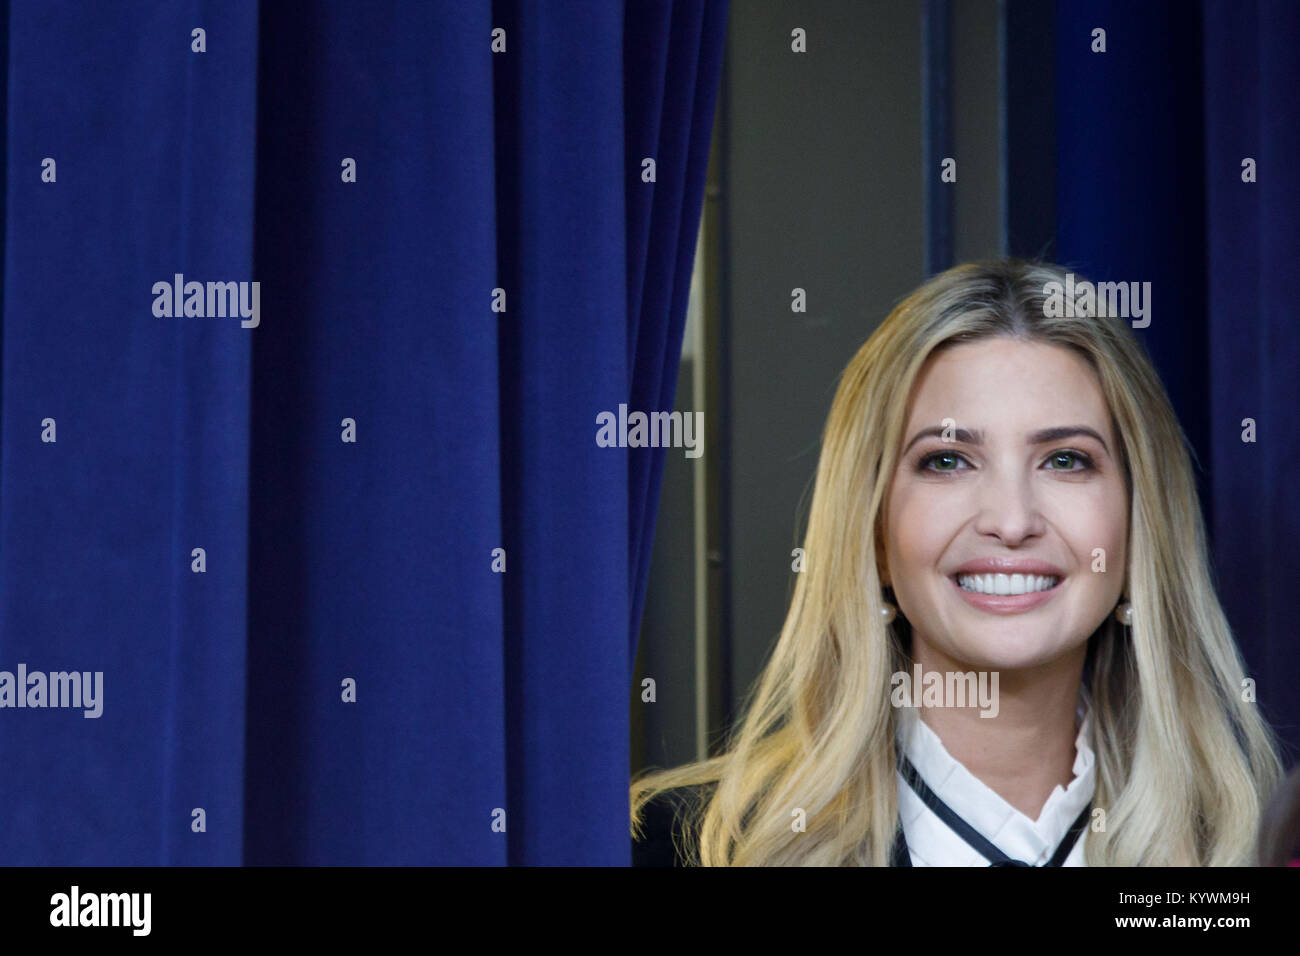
(1007, 603)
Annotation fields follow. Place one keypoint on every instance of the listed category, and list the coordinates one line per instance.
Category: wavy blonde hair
(1184, 766)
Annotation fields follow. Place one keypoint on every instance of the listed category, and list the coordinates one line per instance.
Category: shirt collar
(1033, 841)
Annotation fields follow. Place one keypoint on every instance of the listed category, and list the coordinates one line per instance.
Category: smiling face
(1030, 485)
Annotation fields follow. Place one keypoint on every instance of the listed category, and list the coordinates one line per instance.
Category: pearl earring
(1124, 614)
(888, 612)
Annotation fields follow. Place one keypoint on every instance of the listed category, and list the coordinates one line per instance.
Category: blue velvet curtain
(1153, 139)
(459, 266)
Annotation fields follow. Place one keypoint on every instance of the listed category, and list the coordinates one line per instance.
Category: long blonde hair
(1184, 765)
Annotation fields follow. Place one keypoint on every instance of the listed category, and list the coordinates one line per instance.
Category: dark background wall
(818, 182)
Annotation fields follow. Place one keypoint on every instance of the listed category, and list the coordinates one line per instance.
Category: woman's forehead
(1006, 384)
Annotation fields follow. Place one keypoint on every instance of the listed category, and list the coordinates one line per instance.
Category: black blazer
(663, 819)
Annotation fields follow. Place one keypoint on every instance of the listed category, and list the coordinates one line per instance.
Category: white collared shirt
(932, 843)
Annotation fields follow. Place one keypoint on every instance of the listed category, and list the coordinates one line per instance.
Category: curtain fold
(1151, 188)
(1251, 79)
(403, 640)
(680, 142)
(124, 435)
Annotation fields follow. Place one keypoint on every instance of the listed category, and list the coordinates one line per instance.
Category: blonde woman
(1004, 504)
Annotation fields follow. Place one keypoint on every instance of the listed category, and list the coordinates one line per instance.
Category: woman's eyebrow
(1066, 431)
(1041, 437)
(962, 435)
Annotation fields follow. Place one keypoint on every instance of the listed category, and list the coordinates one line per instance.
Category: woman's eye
(941, 461)
(1065, 461)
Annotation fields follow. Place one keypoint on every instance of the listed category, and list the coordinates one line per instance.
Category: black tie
(901, 857)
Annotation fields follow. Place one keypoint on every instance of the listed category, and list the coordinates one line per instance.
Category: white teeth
(1005, 583)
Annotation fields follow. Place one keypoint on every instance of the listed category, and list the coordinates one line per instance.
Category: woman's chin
(1008, 652)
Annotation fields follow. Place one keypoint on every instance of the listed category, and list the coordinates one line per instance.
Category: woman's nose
(1008, 507)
